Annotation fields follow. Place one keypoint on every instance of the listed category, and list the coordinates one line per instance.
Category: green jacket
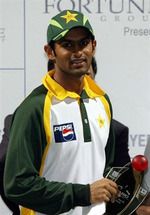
(58, 146)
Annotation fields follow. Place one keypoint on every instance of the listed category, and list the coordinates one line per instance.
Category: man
(121, 138)
(145, 208)
(3, 149)
(60, 148)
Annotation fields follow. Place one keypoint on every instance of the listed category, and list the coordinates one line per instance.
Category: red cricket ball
(139, 163)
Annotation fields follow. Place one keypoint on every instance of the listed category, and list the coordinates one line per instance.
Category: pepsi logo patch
(64, 132)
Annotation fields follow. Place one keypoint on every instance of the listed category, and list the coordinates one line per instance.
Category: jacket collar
(91, 88)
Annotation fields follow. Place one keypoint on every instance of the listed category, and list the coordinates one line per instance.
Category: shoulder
(31, 107)
(7, 120)
(35, 99)
(118, 126)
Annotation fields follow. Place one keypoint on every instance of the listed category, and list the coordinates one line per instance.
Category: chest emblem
(101, 122)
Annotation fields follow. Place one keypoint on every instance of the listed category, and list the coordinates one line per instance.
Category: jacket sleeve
(22, 182)
(110, 147)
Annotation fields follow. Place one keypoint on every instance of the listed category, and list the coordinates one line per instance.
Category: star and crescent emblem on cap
(70, 16)
(101, 121)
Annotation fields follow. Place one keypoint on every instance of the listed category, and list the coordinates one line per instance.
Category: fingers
(113, 190)
(103, 190)
(143, 210)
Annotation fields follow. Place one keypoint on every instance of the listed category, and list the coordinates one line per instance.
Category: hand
(143, 210)
(103, 190)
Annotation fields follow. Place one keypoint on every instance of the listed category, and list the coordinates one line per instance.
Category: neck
(70, 83)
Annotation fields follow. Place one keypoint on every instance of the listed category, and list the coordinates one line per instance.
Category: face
(91, 73)
(73, 53)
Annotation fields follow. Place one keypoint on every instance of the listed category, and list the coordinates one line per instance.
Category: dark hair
(52, 45)
(50, 65)
(94, 65)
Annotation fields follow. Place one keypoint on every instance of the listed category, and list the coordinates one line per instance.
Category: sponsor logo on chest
(64, 132)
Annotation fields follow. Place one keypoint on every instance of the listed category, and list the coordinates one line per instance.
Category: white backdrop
(122, 29)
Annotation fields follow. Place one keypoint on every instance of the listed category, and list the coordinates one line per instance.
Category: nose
(77, 51)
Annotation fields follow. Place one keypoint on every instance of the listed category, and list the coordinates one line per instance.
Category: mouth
(78, 62)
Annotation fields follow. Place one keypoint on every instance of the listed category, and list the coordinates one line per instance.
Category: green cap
(64, 21)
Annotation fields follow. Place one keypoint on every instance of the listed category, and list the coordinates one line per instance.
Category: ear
(49, 51)
(94, 47)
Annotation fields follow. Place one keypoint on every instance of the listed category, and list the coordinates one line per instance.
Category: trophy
(132, 187)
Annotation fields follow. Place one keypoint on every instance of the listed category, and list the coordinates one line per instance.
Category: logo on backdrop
(64, 132)
(138, 140)
(103, 7)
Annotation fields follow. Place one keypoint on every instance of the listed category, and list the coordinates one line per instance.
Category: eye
(67, 44)
(84, 42)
